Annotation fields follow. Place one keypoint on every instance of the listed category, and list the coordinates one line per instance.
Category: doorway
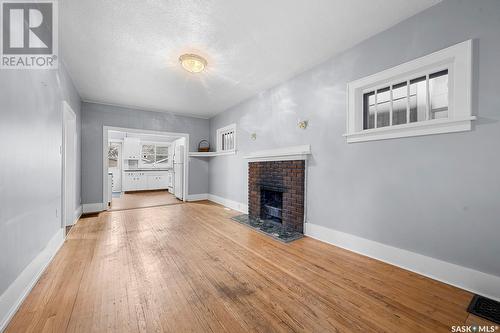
(143, 168)
(69, 144)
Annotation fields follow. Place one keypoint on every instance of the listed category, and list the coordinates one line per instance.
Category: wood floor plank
(143, 199)
(189, 268)
(387, 295)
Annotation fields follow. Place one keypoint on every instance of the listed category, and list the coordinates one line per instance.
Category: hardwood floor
(188, 268)
(143, 199)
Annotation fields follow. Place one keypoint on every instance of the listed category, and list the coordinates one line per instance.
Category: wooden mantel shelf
(280, 154)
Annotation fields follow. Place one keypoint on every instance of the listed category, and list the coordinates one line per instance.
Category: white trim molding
(93, 208)
(211, 153)
(435, 126)
(78, 214)
(280, 154)
(459, 276)
(235, 205)
(13, 297)
(456, 60)
(197, 197)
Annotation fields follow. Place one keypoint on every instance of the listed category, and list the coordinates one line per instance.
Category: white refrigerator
(179, 171)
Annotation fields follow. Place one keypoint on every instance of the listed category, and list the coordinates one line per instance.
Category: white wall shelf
(210, 153)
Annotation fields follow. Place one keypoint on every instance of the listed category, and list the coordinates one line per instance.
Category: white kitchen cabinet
(131, 149)
(157, 181)
(142, 181)
(145, 180)
(131, 181)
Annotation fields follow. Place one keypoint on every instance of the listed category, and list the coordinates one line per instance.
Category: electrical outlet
(57, 212)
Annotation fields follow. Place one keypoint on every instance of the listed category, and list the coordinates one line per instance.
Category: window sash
(381, 91)
(226, 138)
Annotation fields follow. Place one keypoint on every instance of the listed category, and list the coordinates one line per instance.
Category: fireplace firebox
(271, 204)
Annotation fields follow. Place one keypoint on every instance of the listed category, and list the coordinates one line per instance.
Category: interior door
(115, 164)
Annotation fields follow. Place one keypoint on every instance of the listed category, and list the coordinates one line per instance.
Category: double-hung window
(429, 95)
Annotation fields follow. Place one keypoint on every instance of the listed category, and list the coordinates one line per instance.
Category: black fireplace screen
(271, 203)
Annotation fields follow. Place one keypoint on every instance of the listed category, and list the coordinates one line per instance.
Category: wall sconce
(303, 124)
(253, 136)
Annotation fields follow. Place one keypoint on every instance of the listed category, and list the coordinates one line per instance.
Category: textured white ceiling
(125, 52)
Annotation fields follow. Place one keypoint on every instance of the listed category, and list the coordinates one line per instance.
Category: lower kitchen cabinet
(145, 180)
(156, 182)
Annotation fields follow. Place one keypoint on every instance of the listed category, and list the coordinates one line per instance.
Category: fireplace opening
(276, 191)
(271, 200)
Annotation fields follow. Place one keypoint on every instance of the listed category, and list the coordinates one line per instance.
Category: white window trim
(457, 59)
(220, 131)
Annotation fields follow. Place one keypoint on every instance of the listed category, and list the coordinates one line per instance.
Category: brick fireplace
(276, 192)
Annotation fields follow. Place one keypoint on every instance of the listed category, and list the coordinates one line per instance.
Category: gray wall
(435, 195)
(95, 116)
(30, 177)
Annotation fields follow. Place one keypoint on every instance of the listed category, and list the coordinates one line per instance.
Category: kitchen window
(113, 155)
(429, 95)
(226, 138)
(153, 154)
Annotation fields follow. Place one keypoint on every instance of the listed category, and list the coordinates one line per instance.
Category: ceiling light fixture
(193, 63)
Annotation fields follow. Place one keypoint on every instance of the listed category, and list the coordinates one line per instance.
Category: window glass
(148, 154)
(418, 99)
(438, 91)
(162, 150)
(399, 103)
(113, 155)
(383, 107)
(161, 158)
(369, 110)
(226, 138)
(377, 106)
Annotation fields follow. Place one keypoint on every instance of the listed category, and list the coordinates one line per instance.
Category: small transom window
(226, 138)
(428, 95)
(422, 98)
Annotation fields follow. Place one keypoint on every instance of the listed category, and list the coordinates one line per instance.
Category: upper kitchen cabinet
(131, 148)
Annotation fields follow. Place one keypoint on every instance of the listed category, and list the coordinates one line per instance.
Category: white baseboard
(197, 197)
(77, 215)
(241, 207)
(93, 207)
(15, 294)
(465, 278)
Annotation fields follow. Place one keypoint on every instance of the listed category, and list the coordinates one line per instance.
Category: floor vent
(485, 308)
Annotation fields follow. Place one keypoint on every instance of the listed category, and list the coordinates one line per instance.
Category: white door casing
(69, 142)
